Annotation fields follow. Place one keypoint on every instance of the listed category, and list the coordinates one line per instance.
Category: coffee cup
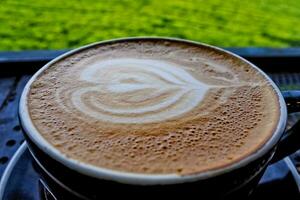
(153, 116)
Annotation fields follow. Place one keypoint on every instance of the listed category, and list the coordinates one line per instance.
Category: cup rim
(139, 178)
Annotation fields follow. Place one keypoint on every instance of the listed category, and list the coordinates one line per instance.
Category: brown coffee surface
(154, 107)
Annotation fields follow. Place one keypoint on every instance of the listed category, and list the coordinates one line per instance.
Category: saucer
(21, 180)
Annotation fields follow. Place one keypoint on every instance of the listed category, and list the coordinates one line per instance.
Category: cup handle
(290, 141)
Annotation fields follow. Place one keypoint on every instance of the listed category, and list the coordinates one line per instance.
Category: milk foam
(171, 90)
(153, 107)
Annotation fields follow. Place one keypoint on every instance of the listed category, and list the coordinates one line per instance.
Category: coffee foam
(140, 91)
(154, 107)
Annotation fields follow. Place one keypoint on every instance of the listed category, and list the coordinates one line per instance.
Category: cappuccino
(153, 106)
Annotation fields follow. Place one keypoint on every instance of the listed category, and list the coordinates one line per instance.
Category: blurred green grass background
(56, 24)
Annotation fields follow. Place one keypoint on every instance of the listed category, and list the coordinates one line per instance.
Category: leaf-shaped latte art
(137, 91)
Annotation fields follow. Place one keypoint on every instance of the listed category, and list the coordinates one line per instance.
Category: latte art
(140, 91)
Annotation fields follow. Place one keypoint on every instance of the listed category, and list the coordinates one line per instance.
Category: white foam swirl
(137, 91)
